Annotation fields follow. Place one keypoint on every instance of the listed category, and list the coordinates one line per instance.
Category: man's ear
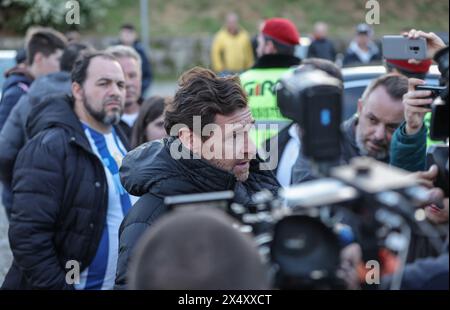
(37, 59)
(360, 106)
(190, 140)
(185, 136)
(270, 47)
(77, 91)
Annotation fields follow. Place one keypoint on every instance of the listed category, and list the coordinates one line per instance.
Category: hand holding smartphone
(400, 47)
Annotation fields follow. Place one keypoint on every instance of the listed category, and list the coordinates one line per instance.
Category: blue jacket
(147, 75)
(13, 135)
(424, 274)
(322, 48)
(409, 151)
(16, 84)
(60, 199)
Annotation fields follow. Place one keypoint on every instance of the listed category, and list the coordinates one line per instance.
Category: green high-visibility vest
(259, 85)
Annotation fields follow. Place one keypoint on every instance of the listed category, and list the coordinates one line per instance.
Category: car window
(351, 96)
(6, 63)
(355, 84)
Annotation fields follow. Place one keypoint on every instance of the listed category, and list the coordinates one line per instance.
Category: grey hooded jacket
(13, 135)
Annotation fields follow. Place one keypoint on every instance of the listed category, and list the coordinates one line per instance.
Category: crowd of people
(87, 161)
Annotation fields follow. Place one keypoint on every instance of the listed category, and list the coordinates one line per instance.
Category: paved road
(5, 252)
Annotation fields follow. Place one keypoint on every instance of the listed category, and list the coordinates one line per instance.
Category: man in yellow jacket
(231, 49)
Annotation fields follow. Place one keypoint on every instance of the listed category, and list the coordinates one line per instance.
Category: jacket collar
(202, 169)
(349, 129)
(57, 111)
(276, 61)
(152, 167)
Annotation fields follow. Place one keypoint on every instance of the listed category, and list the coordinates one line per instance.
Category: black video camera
(438, 155)
(299, 232)
(313, 100)
(439, 129)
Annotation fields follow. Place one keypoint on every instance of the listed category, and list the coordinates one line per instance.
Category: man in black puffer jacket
(180, 164)
(67, 206)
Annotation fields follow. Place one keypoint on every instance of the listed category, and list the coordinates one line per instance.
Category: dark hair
(70, 55)
(151, 109)
(325, 65)
(396, 86)
(202, 93)
(198, 249)
(283, 49)
(417, 75)
(46, 42)
(128, 26)
(79, 71)
(21, 56)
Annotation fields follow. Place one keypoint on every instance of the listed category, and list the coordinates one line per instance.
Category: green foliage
(199, 17)
(25, 13)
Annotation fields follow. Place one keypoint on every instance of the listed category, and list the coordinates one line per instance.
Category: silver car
(7, 61)
(356, 80)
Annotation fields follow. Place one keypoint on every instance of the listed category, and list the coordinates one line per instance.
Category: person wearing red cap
(411, 140)
(276, 46)
(410, 70)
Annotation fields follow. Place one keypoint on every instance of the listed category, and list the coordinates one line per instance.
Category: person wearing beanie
(410, 70)
(414, 70)
(215, 256)
(412, 139)
(362, 50)
(277, 40)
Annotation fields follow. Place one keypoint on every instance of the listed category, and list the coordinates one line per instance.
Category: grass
(200, 17)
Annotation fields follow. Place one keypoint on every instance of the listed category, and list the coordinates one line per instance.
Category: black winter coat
(150, 171)
(60, 199)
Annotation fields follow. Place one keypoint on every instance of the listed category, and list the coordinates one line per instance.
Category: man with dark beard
(369, 132)
(68, 200)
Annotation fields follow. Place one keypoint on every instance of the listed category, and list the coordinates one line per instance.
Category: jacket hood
(53, 111)
(59, 82)
(17, 75)
(354, 48)
(348, 130)
(56, 110)
(151, 168)
(276, 61)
